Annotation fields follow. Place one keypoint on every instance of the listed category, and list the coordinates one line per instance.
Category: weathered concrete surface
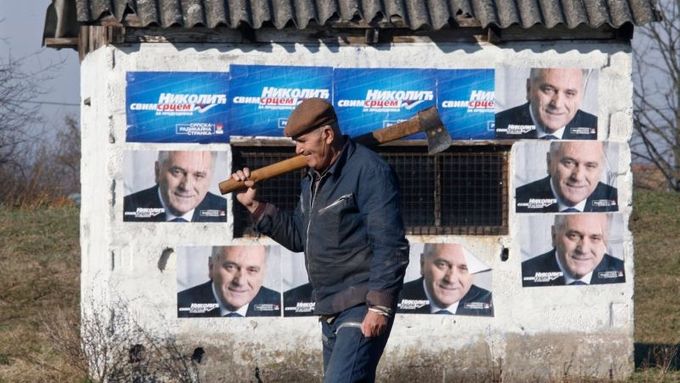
(528, 358)
(253, 363)
(539, 333)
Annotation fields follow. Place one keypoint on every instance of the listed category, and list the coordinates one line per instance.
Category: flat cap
(309, 114)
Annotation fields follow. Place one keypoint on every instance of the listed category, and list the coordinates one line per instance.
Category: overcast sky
(21, 29)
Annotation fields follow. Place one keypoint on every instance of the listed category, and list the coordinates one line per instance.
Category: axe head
(438, 138)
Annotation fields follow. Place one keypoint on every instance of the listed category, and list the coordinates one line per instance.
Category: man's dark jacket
(351, 232)
(582, 127)
(211, 209)
(267, 302)
(477, 301)
(604, 198)
(610, 270)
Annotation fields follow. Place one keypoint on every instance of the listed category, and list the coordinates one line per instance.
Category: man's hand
(373, 324)
(246, 196)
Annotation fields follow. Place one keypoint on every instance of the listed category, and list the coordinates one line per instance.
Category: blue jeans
(348, 356)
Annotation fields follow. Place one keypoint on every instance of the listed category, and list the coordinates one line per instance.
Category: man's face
(446, 274)
(581, 244)
(237, 274)
(555, 96)
(315, 146)
(184, 180)
(575, 169)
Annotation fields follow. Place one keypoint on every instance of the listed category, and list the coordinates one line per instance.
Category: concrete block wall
(537, 333)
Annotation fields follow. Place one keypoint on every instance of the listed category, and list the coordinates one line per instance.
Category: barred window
(462, 190)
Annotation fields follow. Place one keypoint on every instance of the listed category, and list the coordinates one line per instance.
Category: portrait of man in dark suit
(573, 184)
(235, 286)
(552, 110)
(299, 301)
(181, 191)
(298, 293)
(446, 284)
(579, 255)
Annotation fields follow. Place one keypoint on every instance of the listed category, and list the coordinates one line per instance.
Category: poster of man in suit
(557, 103)
(298, 297)
(566, 176)
(173, 186)
(572, 249)
(228, 281)
(446, 278)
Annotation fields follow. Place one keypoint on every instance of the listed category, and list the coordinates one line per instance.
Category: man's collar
(568, 279)
(168, 215)
(223, 310)
(540, 129)
(433, 306)
(336, 165)
(561, 205)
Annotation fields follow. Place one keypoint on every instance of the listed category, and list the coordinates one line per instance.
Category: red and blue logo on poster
(177, 106)
(367, 99)
(262, 96)
(466, 102)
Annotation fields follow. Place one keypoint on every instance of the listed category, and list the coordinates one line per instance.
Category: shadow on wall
(654, 355)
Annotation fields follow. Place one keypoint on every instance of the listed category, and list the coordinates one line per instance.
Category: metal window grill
(460, 191)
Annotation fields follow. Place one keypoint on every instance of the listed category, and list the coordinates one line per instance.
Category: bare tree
(18, 90)
(43, 171)
(657, 94)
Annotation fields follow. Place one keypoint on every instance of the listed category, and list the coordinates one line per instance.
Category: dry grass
(655, 224)
(39, 291)
(39, 279)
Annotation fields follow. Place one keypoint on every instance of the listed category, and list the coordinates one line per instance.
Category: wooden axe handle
(269, 171)
(426, 119)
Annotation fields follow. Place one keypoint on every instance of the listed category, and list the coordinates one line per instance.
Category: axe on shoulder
(426, 121)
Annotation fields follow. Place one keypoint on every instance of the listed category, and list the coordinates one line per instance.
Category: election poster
(263, 96)
(367, 99)
(235, 281)
(298, 299)
(571, 249)
(256, 100)
(557, 103)
(176, 186)
(176, 107)
(566, 176)
(446, 278)
(466, 102)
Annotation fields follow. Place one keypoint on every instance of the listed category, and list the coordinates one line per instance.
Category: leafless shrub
(36, 166)
(112, 347)
(44, 173)
(17, 89)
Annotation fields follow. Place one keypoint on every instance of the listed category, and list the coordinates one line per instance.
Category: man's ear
(157, 170)
(328, 135)
(528, 89)
(553, 236)
(547, 161)
(422, 265)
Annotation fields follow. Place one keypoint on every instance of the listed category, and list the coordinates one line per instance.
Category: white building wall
(536, 332)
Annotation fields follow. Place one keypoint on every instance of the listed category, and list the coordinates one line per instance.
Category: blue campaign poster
(465, 100)
(367, 99)
(262, 96)
(176, 106)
